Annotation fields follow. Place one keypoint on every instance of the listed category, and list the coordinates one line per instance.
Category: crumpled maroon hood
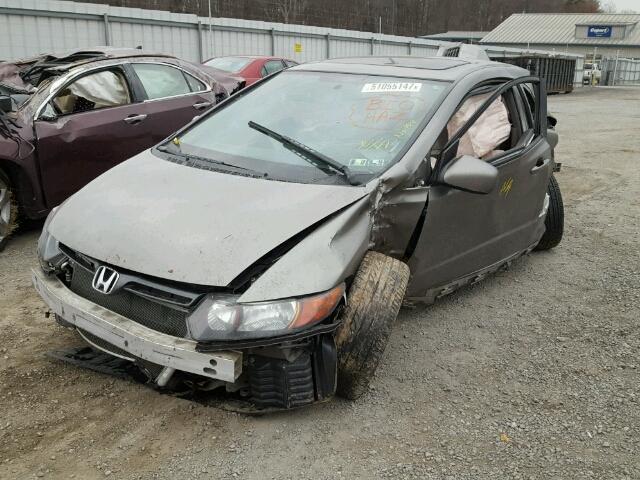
(230, 82)
(10, 79)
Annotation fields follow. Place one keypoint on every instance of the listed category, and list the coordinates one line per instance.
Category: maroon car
(65, 119)
(250, 68)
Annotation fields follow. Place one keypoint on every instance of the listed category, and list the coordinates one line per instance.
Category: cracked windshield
(314, 127)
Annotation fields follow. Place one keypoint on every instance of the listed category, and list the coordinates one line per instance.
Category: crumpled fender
(321, 260)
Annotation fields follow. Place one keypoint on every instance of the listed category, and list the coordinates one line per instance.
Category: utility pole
(615, 68)
(210, 33)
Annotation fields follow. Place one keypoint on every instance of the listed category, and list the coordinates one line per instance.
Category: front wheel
(8, 210)
(554, 221)
(373, 304)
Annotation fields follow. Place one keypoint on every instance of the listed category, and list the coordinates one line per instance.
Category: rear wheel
(554, 221)
(374, 300)
(8, 210)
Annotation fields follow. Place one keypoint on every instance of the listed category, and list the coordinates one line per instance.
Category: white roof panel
(560, 28)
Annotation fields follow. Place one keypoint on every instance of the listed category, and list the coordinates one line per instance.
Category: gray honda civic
(265, 249)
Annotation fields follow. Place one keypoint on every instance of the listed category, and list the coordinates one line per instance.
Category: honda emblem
(105, 280)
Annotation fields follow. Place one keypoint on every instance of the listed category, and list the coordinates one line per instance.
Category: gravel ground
(533, 373)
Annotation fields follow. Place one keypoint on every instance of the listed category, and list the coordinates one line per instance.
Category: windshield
(229, 64)
(361, 122)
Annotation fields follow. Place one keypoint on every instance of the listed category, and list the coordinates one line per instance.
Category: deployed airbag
(105, 89)
(487, 133)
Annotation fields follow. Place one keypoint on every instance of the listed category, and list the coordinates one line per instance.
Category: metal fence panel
(179, 40)
(235, 43)
(300, 49)
(423, 50)
(30, 27)
(620, 71)
(23, 35)
(349, 48)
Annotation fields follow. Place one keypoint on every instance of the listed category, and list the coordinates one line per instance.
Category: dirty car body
(228, 253)
(75, 115)
(250, 68)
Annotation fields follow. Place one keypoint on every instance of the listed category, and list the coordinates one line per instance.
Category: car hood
(185, 224)
(231, 82)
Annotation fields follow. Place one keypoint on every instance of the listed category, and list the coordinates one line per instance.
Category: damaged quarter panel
(321, 260)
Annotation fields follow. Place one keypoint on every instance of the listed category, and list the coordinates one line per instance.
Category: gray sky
(625, 4)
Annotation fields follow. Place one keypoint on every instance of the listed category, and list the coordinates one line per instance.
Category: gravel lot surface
(533, 373)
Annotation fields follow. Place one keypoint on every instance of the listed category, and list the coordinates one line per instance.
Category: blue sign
(599, 31)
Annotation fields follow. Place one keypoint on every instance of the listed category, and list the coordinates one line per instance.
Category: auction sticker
(391, 87)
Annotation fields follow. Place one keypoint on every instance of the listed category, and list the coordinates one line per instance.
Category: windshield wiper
(312, 156)
(174, 151)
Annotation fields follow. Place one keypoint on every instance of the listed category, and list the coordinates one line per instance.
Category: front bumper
(136, 339)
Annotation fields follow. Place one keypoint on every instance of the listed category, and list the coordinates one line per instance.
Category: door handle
(201, 105)
(540, 165)
(134, 119)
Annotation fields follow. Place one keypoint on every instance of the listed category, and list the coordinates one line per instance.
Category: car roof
(253, 57)
(68, 59)
(428, 68)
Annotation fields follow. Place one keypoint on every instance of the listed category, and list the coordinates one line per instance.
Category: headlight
(221, 318)
(49, 254)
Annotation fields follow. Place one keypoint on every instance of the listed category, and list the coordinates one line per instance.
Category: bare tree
(289, 9)
(399, 17)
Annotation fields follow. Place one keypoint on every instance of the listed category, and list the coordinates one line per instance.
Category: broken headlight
(222, 318)
(49, 254)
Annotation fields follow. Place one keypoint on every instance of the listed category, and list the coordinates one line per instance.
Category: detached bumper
(136, 339)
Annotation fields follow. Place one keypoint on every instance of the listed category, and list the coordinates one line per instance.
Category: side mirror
(471, 174)
(551, 121)
(6, 105)
(552, 138)
(48, 114)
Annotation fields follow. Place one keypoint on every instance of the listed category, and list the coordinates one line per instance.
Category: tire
(554, 221)
(8, 210)
(374, 301)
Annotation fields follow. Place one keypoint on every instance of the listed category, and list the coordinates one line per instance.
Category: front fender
(321, 260)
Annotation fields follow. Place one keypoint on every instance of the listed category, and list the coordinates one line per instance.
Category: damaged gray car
(266, 248)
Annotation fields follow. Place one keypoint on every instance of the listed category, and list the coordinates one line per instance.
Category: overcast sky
(625, 4)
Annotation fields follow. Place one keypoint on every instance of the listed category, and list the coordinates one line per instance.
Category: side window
(272, 66)
(490, 135)
(107, 88)
(160, 81)
(527, 92)
(194, 84)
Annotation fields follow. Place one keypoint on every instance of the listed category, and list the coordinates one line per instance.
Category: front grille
(134, 307)
(103, 344)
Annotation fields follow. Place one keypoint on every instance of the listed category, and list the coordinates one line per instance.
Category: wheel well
(20, 183)
(7, 169)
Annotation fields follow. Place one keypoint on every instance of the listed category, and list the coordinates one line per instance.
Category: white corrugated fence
(30, 27)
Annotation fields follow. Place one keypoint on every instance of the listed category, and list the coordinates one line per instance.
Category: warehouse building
(595, 35)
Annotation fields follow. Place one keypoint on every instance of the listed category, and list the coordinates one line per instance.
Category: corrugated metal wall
(587, 51)
(30, 27)
(620, 71)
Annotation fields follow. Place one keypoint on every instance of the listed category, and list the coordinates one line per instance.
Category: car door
(172, 97)
(463, 233)
(91, 123)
